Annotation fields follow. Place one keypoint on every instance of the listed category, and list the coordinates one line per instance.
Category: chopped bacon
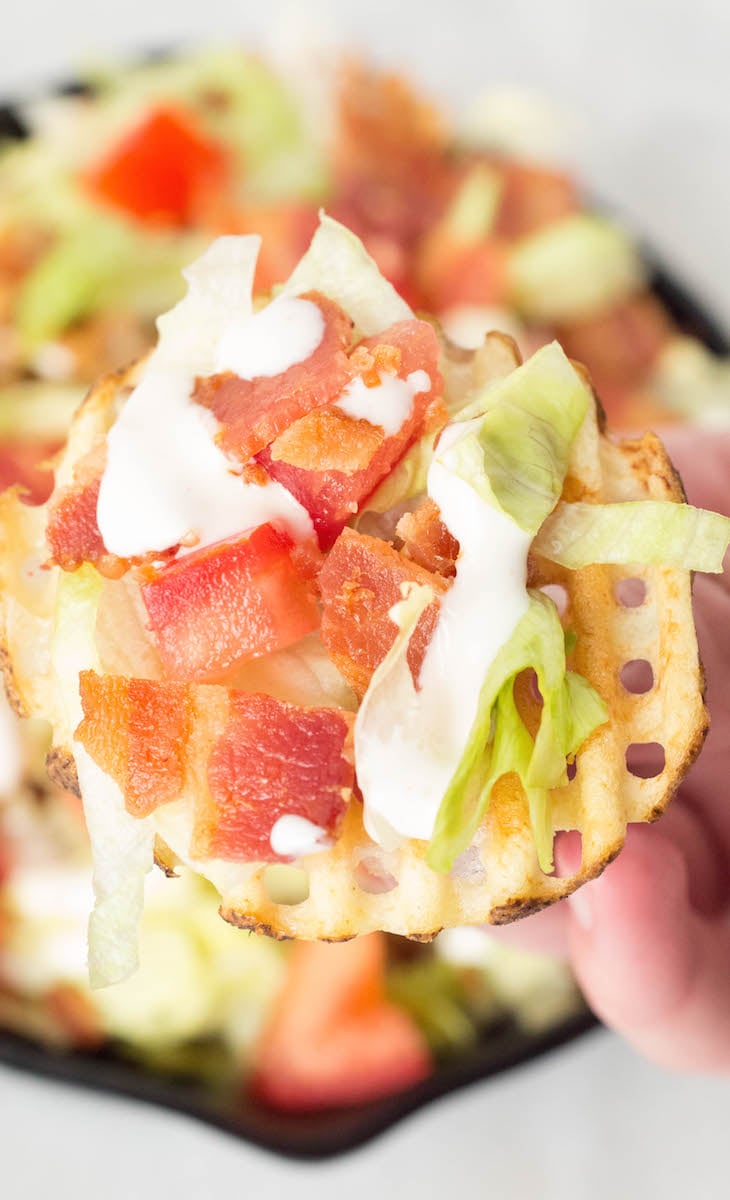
(22, 462)
(73, 533)
(253, 412)
(360, 582)
(162, 171)
(332, 497)
(427, 540)
(619, 347)
(73, 530)
(533, 197)
(137, 731)
(273, 760)
(212, 609)
(450, 273)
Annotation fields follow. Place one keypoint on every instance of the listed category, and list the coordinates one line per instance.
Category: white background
(649, 83)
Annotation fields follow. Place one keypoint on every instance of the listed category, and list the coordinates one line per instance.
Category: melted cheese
(405, 764)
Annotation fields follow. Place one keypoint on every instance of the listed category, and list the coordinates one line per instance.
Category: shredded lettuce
(407, 479)
(219, 292)
(471, 214)
(122, 845)
(499, 742)
(38, 409)
(517, 458)
(572, 269)
(338, 264)
(635, 531)
(98, 264)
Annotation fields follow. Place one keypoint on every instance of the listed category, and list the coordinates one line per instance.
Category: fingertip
(630, 932)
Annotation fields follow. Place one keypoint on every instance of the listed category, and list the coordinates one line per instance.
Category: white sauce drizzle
(293, 836)
(165, 478)
(286, 332)
(404, 768)
(389, 404)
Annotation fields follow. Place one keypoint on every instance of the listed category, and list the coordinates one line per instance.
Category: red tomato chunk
(215, 608)
(162, 171)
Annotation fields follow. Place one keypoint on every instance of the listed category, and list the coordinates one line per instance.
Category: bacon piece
(137, 731)
(427, 540)
(360, 583)
(332, 497)
(273, 760)
(533, 197)
(22, 462)
(73, 531)
(213, 609)
(253, 412)
(619, 347)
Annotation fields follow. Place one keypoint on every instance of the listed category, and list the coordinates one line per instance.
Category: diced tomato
(620, 346)
(333, 1039)
(137, 731)
(427, 540)
(74, 1010)
(360, 582)
(533, 197)
(253, 412)
(332, 497)
(274, 759)
(163, 170)
(21, 462)
(451, 273)
(212, 609)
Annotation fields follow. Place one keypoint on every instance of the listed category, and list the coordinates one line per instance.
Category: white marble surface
(650, 84)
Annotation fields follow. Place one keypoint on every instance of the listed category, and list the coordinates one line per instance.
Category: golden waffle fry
(620, 615)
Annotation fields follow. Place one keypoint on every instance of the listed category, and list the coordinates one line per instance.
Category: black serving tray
(327, 1134)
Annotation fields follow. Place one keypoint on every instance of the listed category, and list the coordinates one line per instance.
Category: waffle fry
(355, 887)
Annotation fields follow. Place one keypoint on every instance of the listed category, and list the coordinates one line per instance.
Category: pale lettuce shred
(573, 269)
(635, 531)
(122, 845)
(338, 264)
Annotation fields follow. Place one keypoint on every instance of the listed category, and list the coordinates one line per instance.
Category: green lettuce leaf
(517, 457)
(122, 845)
(99, 264)
(338, 264)
(572, 269)
(471, 214)
(499, 742)
(635, 531)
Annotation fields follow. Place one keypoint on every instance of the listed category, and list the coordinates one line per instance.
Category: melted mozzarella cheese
(286, 332)
(11, 750)
(293, 837)
(405, 764)
(389, 404)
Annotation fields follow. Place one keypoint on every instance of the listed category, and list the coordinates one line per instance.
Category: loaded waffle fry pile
(182, 609)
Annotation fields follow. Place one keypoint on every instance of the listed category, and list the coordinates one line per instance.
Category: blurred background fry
(493, 158)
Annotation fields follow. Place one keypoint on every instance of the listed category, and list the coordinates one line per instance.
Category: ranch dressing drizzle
(404, 766)
(389, 404)
(293, 836)
(165, 477)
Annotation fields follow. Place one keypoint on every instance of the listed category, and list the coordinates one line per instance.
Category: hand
(650, 939)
